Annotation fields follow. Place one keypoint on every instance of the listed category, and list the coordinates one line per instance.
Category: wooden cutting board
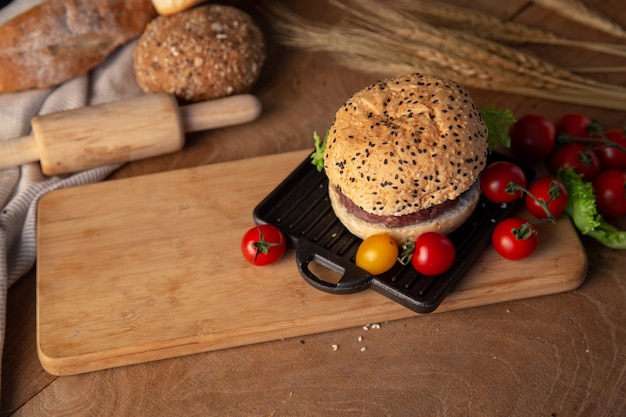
(148, 268)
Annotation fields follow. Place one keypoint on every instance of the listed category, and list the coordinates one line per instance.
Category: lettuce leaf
(317, 157)
(584, 213)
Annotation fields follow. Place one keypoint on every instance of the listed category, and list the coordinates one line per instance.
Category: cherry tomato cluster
(575, 141)
(546, 199)
(430, 253)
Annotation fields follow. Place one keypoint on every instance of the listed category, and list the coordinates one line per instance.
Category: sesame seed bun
(404, 145)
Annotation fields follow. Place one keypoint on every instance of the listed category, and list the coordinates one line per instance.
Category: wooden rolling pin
(122, 131)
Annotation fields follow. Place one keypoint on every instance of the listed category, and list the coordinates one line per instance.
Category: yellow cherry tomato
(377, 254)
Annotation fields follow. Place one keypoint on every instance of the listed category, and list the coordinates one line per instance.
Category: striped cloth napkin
(21, 187)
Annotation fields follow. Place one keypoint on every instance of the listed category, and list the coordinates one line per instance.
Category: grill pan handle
(352, 279)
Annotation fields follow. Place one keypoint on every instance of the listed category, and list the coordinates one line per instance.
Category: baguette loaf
(61, 39)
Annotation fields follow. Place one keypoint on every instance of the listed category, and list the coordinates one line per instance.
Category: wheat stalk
(455, 43)
(486, 26)
(376, 39)
(590, 70)
(577, 11)
(482, 80)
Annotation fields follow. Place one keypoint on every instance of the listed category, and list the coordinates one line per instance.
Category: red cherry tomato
(610, 190)
(507, 242)
(573, 125)
(582, 159)
(611, 157)
(543, 189)
(533, 137)
(264, 244)
(434, 254)
(495, 179)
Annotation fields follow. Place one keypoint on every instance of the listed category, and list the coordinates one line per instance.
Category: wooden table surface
(559, 355)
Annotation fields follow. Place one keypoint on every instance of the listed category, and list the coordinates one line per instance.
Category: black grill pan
(300, 207)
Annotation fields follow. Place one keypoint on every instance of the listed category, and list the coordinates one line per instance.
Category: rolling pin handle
(221, 112)
(18, 151)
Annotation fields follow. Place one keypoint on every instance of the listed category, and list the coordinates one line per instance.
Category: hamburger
(403, 157)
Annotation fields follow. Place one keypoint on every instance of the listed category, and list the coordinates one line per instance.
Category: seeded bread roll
(60, 39)
(203, 53)
(405, 152)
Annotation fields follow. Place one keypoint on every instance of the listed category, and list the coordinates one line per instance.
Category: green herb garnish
(498, 123)
(317, 157)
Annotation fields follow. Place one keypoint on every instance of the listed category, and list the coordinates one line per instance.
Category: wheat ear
(486, 26)
(377, 39)
(579, 12)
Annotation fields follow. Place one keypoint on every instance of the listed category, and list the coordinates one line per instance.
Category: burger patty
(404, 220)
